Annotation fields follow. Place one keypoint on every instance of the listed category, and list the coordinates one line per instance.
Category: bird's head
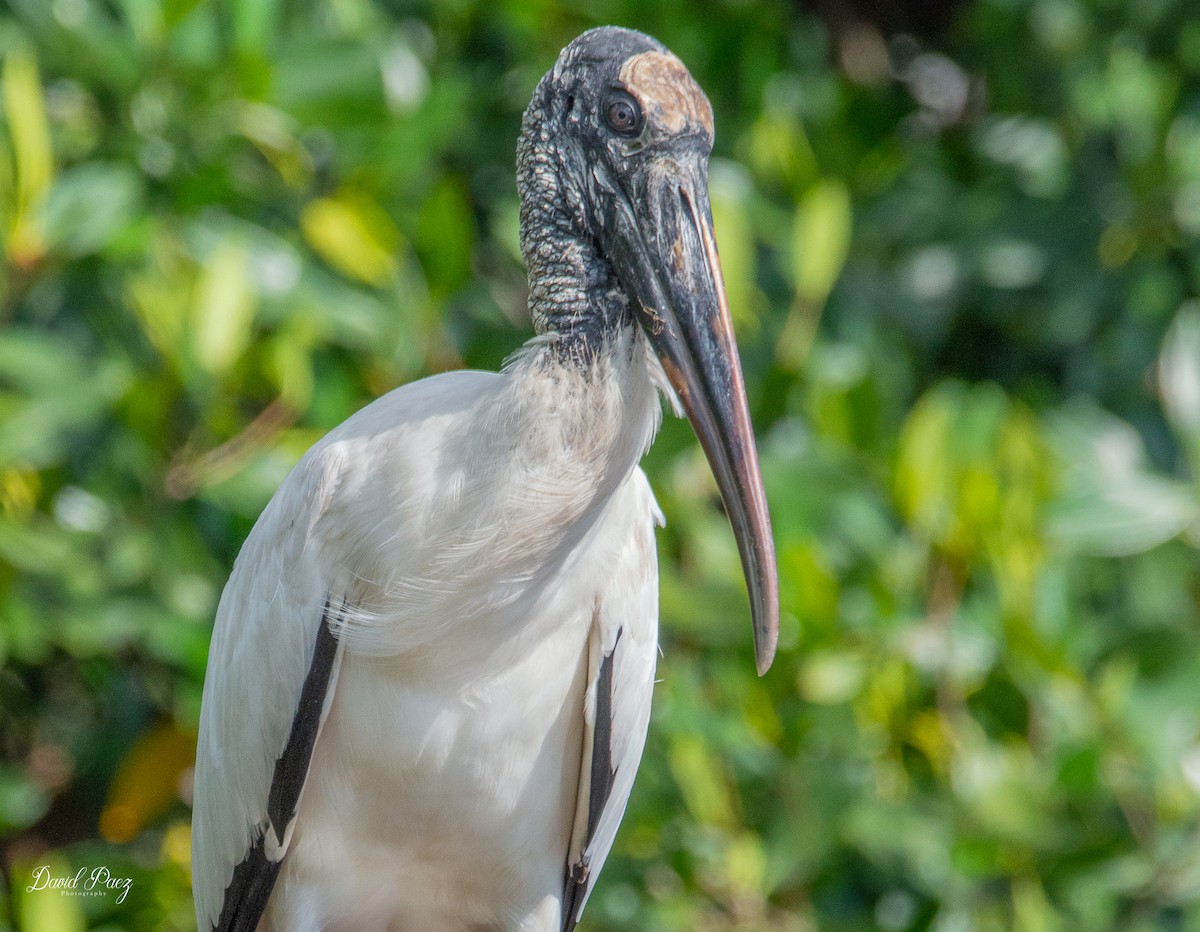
(613, 174)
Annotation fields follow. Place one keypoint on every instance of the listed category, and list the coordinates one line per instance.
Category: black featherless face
(617, 231)
(617, 104)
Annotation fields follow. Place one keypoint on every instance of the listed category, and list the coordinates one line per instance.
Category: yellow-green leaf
(729, 189)
(704, 787)
(291, 358)
(223, 310)
(746, 865)
(47, 909)
(778, 149)
(25, 109)
(820, 239)
(831, 677)
(924, 473)
(353, 235)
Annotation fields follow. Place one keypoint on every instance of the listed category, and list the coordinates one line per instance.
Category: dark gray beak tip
(766, 636)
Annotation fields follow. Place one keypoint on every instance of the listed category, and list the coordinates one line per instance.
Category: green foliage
(964, 273)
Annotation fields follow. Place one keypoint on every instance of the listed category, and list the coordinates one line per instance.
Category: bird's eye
(623, 115)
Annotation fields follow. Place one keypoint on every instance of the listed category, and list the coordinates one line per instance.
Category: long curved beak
(666, 256)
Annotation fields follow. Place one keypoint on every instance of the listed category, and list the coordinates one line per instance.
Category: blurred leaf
(746, 865)
(1179, 375)
(275, 136)
(806, 567)
(779, 150)
(354, 236)
(820, 243)
(89, 205)
(924, 473)
(25, 110)
(175, 11)
(53, 396)
(292, 359)
(44, 909)
(223, 310)
(700, 781)
(972, 476)
(730, 191)
(820, 238)
(254, 25)
(831, 677)
(1113, 503)
(447, 235)
(21, 802)
(34, 548)
(147, 781)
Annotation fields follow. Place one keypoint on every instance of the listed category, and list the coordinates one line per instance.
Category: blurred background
(962, 245)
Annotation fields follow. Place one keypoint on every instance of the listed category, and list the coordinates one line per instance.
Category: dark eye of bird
(623, 115)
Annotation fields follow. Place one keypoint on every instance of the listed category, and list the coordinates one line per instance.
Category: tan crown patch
(667, 92)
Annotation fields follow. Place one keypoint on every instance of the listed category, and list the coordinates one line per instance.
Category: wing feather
(245, 898)
(329, 534)
(623, 650)
(271, 672)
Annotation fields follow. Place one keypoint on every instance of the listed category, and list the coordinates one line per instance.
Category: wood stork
(430, 675)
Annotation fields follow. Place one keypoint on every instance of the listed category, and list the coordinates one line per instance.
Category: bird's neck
(589, 417)
(573, 290)
(589, 351)
(574, 293)
(588, 372)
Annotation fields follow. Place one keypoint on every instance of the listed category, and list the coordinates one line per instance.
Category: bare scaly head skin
(669, 95)
(616, 229)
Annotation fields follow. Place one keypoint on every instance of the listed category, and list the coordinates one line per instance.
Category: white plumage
(493, 534)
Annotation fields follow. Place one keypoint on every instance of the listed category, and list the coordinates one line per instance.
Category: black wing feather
(603, 775)
(254, 878)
